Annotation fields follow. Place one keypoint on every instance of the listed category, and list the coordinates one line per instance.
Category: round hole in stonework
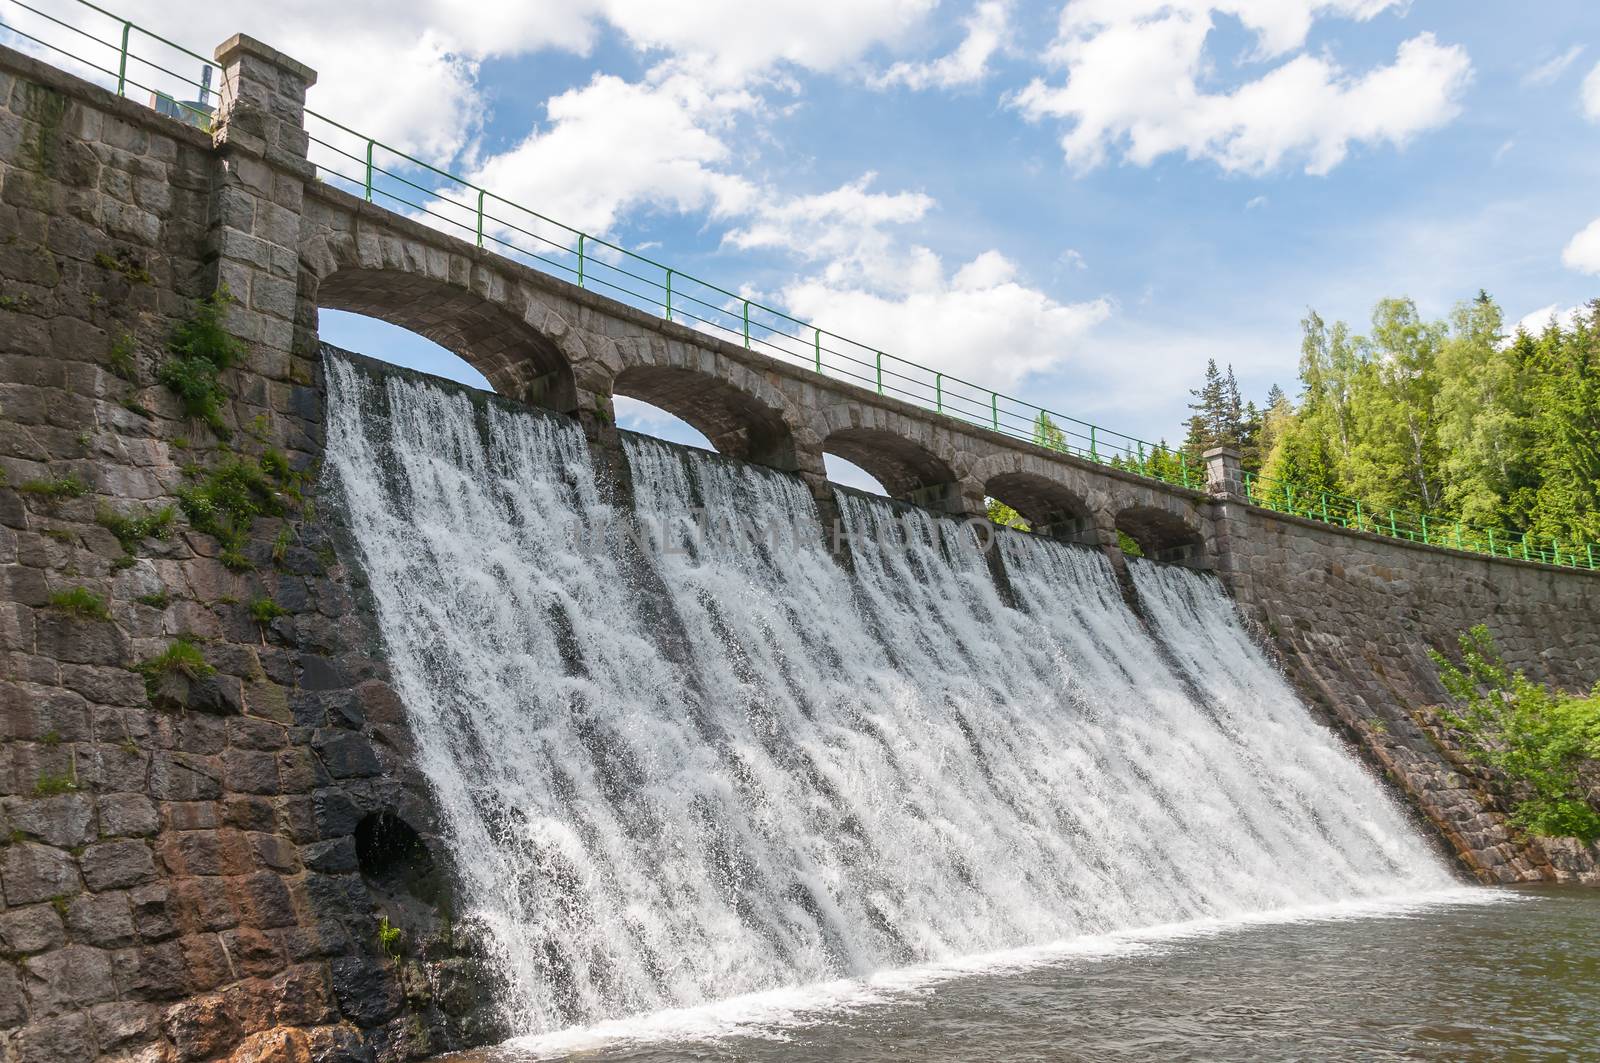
(390, 851)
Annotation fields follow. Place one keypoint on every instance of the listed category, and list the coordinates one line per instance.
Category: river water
(1478, 974)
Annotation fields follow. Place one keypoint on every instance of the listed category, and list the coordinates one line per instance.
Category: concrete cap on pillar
(240, 44)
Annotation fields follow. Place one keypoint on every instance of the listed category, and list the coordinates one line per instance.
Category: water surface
(1459, 979)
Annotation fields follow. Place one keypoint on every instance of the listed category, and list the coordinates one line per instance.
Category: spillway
(691, 755)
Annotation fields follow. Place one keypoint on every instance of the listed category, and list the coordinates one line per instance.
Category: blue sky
(1078, 201)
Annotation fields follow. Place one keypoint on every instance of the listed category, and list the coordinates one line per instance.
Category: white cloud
(980, 323)
(1135, 71)
(986, 32)
(1582, 252)
(1255, 202)
(1591, 94)
(1548, 71)
(1074, 258)
(1535, 322)
(613, 146)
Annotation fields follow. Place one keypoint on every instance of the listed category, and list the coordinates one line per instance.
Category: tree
(1004, 515)
(1047, 434)
(1484, 427)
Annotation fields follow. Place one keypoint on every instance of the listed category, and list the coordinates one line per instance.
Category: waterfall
(698, 757)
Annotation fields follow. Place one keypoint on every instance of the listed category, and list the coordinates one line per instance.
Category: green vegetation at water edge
(1541, 740)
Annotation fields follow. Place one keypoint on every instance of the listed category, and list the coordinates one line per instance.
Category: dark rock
(127, 814)
(64, 820)
(367, 991)
(332, 857)
(346, 755)
(150, 908)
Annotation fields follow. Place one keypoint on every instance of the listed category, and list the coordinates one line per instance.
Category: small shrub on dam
(80, 602)
(1537, 737)
(201, 348)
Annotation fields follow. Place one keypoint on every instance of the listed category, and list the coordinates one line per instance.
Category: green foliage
(50, 785)
(182, 657)
(228, 498)
(124, 263)
(390, 938)
(1046, 433)
(80, 602)
(201, 348)
(1128, 545)
(131, 529)
(1538, 738)
(51, 738)
(264, 610)
(156, 600)
(55, 488)
(280, 546)
(122, 357)
(1448, 419)
(1221, 418)
(1004, 515)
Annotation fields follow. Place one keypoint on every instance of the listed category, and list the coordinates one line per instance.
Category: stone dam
(242, 855)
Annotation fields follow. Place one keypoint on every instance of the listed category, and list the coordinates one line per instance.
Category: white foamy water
(672, 777)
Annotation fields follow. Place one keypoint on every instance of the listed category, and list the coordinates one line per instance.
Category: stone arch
(499, 327)
(744, 419)
(1164, 535)
(907, 469)
(1049, 506)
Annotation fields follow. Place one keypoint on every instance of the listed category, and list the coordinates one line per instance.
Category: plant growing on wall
(1537, 737)
(201, 347)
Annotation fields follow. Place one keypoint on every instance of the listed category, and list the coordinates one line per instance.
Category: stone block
(128, 815)
(104, 920)
(33, 873)
(118, 865)
(32, 928)
(64, 820)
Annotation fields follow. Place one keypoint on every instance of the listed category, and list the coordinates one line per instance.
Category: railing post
(746, 309)
(1524, 547)
(1458, 535)
(1360, 524)
(1325, 508)
(938, 392)
(1589, 549)
(747, 325)
(816, 342)
(994, 410)
(1393, 531)
(1425, 530)
(580, 260)
(122, 59)
(369, 170)
(480, 217)
(878, 362)
(1094, 454)
(1492, 551)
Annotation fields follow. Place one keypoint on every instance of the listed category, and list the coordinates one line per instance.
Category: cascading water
(718, 762)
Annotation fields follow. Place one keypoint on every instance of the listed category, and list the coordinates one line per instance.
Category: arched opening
(391, 343)
(1046, 506)
(636, 415)
(1163, 536)
(515, 360)
(901, 467)
(849, 474)
(732, 420)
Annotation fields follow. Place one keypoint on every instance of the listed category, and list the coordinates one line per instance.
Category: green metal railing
(385, 175)
(108, 61)
(391, 177)
(1415, 526)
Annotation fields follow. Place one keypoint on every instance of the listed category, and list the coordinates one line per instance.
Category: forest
(1459, 422)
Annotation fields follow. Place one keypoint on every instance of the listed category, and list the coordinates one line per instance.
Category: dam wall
(206, 848)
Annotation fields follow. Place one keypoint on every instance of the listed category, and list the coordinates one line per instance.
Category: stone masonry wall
(1353, 617)
(193, 864)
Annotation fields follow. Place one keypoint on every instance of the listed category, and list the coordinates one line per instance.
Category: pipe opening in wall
(392, 855)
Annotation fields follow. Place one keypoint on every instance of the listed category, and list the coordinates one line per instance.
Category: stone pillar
(1224, 474)
(257, 198)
